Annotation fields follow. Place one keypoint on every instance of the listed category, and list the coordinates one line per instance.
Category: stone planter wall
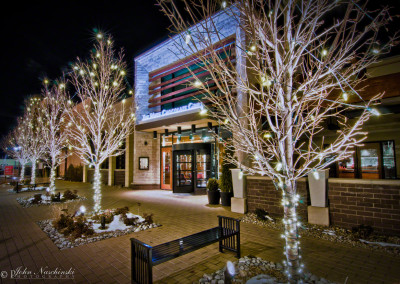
(352, 202)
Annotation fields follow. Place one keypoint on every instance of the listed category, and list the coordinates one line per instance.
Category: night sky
(40, 39)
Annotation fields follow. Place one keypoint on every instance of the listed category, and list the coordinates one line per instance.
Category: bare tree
(30, 125)
(54, 108)
(14, 145)
(101, 121)
(297, 68)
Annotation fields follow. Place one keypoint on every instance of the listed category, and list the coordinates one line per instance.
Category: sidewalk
(22, 242)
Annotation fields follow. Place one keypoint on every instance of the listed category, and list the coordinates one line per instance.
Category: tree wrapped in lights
(297, 68)
(54, 108)
(14, 144)
(99, 123)
(30, 125)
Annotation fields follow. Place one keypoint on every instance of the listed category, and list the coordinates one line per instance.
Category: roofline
(157, 46)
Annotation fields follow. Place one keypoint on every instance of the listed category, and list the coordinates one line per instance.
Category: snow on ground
(380, 243)
(116, 224)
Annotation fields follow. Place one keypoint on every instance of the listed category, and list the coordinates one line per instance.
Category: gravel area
(252, 270)
(390, 244)
(63, 242)
(27, 201)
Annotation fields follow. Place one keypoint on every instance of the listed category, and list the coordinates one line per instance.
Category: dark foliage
(261, 213)
(69, 195)
(212, 184)
(362, 231)
(37, 198)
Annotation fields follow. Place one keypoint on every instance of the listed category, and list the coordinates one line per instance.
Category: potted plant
(225, 183)
(212, 191)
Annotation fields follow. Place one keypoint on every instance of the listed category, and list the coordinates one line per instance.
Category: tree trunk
(33, 173)
(52, 179)
(22, 173)
(291, 235)
(97, 189)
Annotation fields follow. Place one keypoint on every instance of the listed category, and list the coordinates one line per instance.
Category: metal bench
(144, 256)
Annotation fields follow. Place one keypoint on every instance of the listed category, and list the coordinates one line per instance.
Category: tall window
(374, 160)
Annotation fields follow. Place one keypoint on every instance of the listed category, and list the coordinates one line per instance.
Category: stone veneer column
(129, 160)
(112, 161)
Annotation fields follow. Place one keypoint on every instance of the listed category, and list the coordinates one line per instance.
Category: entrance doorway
(192, 164)
(166, 168)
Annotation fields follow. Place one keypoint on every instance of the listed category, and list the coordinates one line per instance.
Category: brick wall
(352, 202)
(146, 146)
(374, 204)
(261, 193)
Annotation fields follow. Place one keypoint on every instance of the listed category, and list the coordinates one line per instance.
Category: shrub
(108, 214)
(225, 181)
(122, 210)
(130, 221)
(63, 221)
(261, 213)
(37, 198)
(73, 226)
(74, 173)
(362, 231)
(148, 218)
(69, 195)
(212, 184)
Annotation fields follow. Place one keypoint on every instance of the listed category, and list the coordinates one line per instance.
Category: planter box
(238, 181)
(318, 182)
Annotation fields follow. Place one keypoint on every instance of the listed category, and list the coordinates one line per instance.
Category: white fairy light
(324, 52)
(278, 166)
(345, 96)
(188, 37)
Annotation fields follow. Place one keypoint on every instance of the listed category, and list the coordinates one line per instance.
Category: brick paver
(22, 242)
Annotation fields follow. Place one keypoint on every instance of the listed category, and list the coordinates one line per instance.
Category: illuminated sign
(172, 111)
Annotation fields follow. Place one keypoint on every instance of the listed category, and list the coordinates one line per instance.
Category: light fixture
(179, 130)
(166, 132)
(216, 129)
(193, 128)
(154, 134)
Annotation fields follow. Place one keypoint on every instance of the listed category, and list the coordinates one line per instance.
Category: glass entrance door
(166, 168)
(370, 161)
(183, 171)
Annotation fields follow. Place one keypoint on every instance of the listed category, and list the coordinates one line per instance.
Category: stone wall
(146, 146)
(352, 202)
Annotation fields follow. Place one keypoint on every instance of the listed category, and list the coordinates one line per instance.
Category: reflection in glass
(346, 168)
(369, 161)
(184, 169)
(167, 170)
(203, 169)
(389, 166)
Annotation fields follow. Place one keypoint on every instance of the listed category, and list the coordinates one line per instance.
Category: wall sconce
(179, 130)
(154, 134)
(216, 129)
(166, 132)
(193, 128)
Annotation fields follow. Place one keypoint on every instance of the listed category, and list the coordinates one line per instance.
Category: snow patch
(116, 224)
(380, 243)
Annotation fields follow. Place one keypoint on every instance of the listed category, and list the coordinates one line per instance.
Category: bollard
(103, 222)
(229, 272)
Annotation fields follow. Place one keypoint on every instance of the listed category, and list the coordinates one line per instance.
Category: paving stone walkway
(23, 244)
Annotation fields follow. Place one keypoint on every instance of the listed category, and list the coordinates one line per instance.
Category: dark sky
(40, 38)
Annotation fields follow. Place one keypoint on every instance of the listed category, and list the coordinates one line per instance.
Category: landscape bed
(360, 236)
(72, 230)
(255, 270)
(50, 199)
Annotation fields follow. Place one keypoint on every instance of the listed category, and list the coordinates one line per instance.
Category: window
(374, 160)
